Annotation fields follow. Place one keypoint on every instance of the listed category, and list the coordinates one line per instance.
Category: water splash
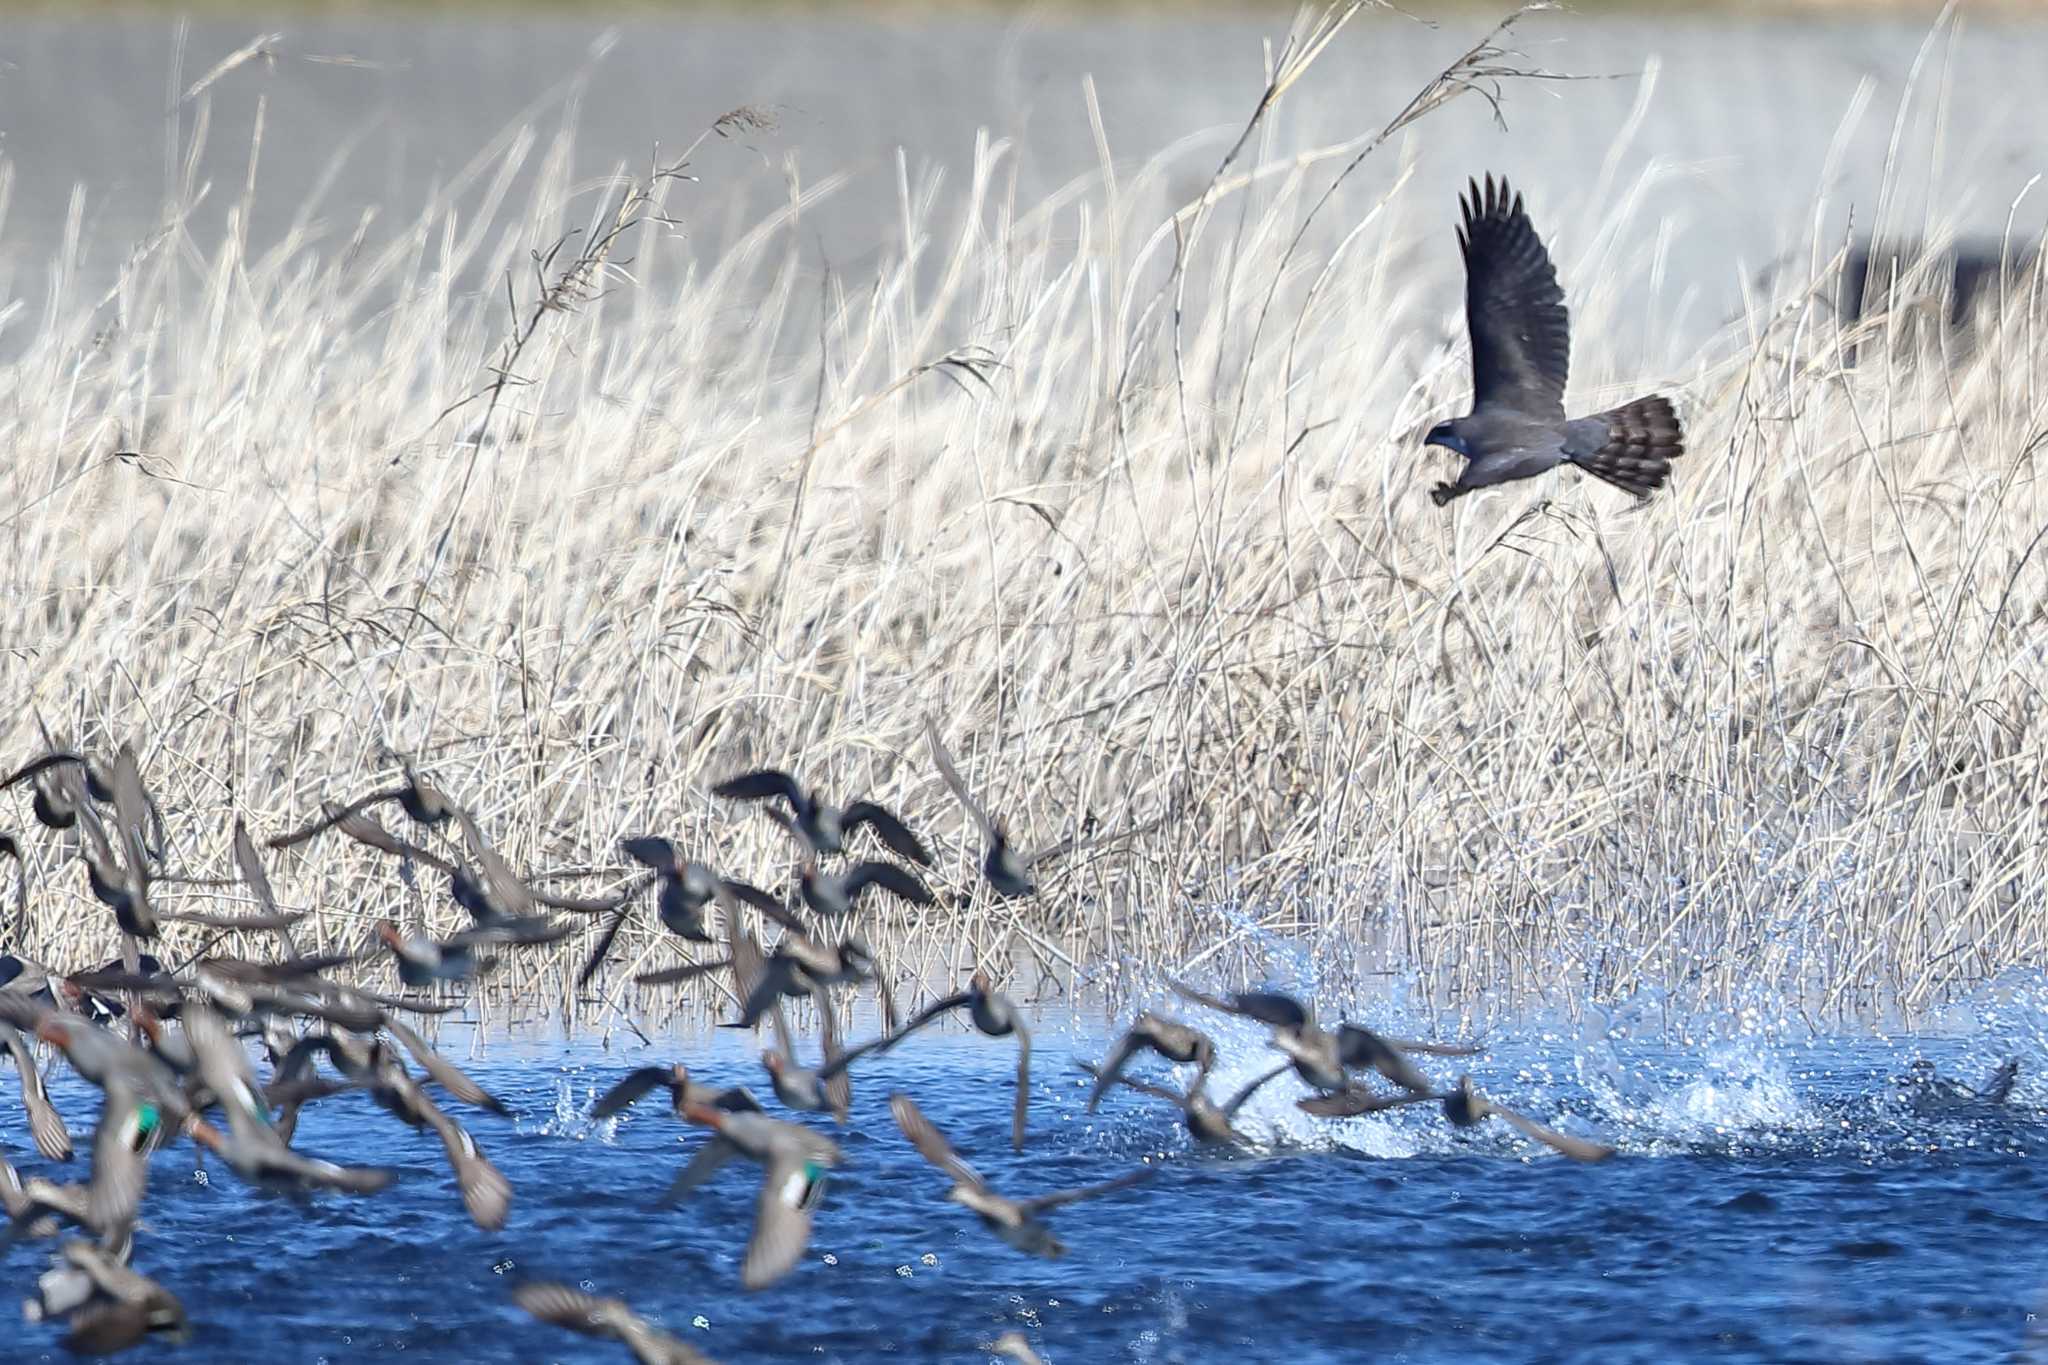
(570, 1117)
(1743, 1089)
(1641, 1072)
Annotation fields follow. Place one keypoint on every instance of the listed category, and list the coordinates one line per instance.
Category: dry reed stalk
(1772, 738)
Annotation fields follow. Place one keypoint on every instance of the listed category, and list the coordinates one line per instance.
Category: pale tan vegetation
(274, 516)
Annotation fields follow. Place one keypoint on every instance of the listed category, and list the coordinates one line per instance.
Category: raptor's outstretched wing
(1521, 335)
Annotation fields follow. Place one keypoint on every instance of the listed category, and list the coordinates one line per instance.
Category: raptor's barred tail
(1643, 438)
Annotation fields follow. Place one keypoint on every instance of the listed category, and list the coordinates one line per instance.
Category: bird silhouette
(1521, 356)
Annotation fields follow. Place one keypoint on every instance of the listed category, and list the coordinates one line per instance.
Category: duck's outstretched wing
(1578, 1149)
(759, 786)
(782, 1221)
(1040, 1203)
(931, 1143)
(630, 1088)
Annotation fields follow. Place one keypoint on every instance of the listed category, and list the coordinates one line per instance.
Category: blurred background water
(1732, 138)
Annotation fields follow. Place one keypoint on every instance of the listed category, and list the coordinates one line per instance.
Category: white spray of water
(570, 1117)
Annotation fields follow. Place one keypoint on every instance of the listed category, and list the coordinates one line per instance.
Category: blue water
(1772, 1202)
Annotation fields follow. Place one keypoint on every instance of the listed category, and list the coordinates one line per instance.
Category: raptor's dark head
(1447, 434)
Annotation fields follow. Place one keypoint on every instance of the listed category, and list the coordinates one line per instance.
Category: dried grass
(1164, 552)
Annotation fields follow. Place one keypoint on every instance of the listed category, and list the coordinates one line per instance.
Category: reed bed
(1132, 505)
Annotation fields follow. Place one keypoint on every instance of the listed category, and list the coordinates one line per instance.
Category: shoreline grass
(1772, 738)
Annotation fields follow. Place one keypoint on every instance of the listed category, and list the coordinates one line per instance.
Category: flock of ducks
(173, 1050)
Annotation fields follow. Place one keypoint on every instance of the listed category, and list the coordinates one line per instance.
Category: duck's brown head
(854, 951)
(704, 1114)
(53, 1031)
(388, 932)
(979, 983)
(678, 1088)
(1464, 1105)
(774, 1061)
(423, 801)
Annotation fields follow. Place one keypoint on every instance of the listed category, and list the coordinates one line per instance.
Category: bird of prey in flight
(1521, 354)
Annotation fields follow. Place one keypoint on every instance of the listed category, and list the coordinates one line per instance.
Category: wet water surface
(1770, 1203)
